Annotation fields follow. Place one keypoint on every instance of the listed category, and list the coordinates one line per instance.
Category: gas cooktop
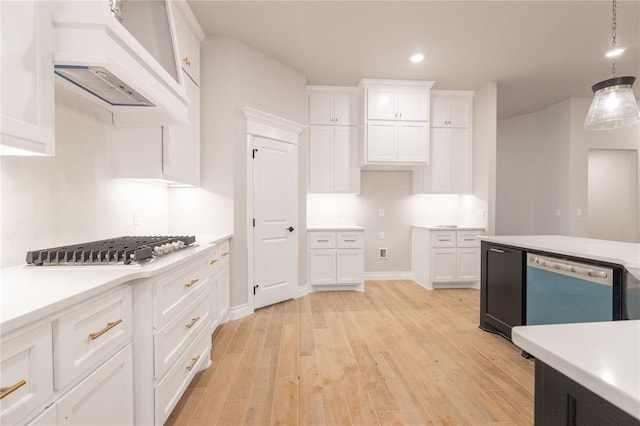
(115, 250)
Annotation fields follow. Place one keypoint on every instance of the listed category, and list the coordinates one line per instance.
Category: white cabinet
(189, 35)
(333, 140)
(219, 282)
(446, 258)
(451, 108)
(396, 119)
(450, 158)
(336, 259)
(333, 160)
(27, 99)
(330, 105)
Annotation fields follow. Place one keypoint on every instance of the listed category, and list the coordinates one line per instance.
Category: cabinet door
(320, 111)
(413, 142)
(345, 109)
(382, 103)
(105, 397)
(27, 100)
(413, 104)
(321, 159)
(223, 292)
(322, 266)
(450, 166)
(440, 114)
(346, 174)
(502, 292)
(440, 165)
(381, 141)
(443, 265)
(181, 144)
(468, 264)
(460, 111)
(350, 266)
(188, 45)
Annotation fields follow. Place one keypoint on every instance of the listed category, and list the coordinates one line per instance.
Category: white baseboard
(457, 285)
(359, 287)
(240, 311)
(303, 291)
(388, 276)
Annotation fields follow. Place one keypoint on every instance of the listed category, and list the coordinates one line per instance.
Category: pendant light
(614, 104)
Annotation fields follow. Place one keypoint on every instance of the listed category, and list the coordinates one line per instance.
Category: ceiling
(538, 52)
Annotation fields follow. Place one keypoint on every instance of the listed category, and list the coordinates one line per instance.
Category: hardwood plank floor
(396, 354)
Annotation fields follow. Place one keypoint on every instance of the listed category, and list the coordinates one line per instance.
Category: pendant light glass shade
(613, 106)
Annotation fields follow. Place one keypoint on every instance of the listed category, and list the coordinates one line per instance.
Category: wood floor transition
(396, 354)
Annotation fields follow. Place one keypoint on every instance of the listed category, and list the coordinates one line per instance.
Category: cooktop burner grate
(121, 249)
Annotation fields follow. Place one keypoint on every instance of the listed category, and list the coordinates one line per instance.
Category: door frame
(263, 124)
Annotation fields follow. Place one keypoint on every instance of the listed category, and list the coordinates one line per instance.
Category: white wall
(234, 76)
(542, 168)
(73, 197)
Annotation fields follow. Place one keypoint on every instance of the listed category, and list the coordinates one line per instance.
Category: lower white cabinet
(446, 257)
(336, 258)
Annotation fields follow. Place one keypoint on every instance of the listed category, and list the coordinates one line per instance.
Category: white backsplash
(73, 197)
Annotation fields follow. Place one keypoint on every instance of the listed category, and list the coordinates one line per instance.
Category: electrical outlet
(381, 212)
(558, 212)
(382, 252)
(136, 219)
(579, 212)
(381, 235)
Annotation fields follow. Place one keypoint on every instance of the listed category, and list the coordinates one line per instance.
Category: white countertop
(626, 254)
(28, 293)
(335, 228)
(449, 227)
(604, 357)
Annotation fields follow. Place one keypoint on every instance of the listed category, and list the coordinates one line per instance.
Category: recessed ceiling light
(614, 52)
(418, 57)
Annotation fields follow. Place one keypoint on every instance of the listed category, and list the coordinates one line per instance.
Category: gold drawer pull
(225, 254)
(193, 322)
(194, 361)
(110, 325)
(213, 262)
(12, 389)
(192, 282)
(186, 61)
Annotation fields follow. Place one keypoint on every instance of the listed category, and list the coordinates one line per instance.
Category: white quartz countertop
(28, 293)
(335, 228)
(621, 253)
(449, 227)
(604, 357)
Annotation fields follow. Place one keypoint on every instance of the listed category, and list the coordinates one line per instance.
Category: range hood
(100, 60)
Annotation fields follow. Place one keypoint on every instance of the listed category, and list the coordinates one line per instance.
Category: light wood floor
(396, 354)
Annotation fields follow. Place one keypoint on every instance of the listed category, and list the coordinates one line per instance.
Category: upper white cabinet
(450, 164)
(407, 103)
(333, 106)
(451, 108)
(189, 35)
(27, 126)
(396, 122)
(333, 140)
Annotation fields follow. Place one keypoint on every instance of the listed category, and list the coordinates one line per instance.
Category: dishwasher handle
(579, 270)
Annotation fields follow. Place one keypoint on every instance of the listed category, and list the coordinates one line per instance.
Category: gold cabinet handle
(192, 282)
(213, 262)
(194, 361)
(110, 325)
(225, 254)
(12, 389)
(186, 61)
(193, 322)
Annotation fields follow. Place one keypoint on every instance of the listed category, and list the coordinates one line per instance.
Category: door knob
(291, 229)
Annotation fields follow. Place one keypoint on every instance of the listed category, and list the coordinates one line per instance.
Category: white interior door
(275, 209)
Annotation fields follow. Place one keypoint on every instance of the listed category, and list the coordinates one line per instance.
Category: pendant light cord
(613, 39)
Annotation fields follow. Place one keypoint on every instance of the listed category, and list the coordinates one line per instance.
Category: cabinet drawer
(443, 239)
(105, 397)
(468, 239)
(225, 253)
(348, 240)
(26, 374)
(322, 240)
(169, 390)
(175, 291)
(172, 339)
(86, 336)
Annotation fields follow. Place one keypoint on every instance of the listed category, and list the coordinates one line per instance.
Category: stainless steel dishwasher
(566, 291)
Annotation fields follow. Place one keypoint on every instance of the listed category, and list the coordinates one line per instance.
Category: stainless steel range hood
(99, 59)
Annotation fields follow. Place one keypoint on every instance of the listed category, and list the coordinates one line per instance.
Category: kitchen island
(583, 370)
